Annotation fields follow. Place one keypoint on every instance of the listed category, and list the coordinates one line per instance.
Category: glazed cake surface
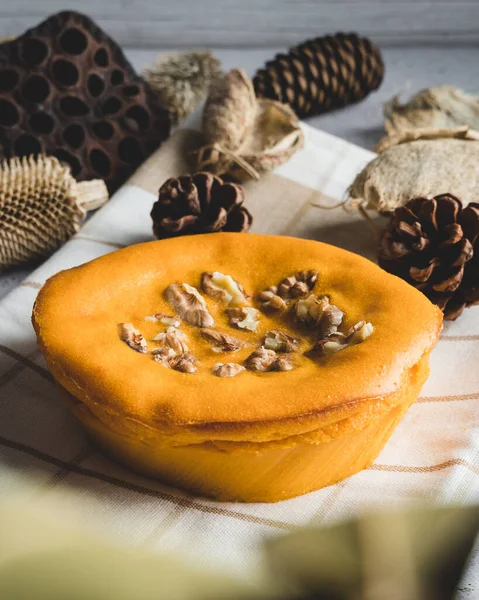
(78, 313)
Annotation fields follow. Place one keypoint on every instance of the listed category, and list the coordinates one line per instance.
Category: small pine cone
(201, 203)
(322, 74)
(433, 245)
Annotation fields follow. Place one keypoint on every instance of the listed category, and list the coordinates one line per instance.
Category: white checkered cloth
(433, 454)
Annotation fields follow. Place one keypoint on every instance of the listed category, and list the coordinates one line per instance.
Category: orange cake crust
(78, 311)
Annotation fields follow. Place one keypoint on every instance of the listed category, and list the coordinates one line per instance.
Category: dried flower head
(182, 80)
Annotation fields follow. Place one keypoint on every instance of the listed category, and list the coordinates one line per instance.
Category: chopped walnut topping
(244, 318)
(165, 319)
(338, 341)
(310, 310)
(359, 332)
(162, 355)
(133, 338)
(331, 319)
(227, 369)
(261, 360)
(316, 311)
(331, 343)
(223, 287)
(172, 338)
(298, 285)
(280, 341)
(222, 342)
(270, 301)
(189, 304)
(283, 363)
(264, 360)
(184, 362)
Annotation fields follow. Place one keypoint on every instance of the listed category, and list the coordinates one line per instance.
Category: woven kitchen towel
(433, 454)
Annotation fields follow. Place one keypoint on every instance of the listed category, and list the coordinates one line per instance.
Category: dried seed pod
(69, 91)
(181, 80)
(41, 207)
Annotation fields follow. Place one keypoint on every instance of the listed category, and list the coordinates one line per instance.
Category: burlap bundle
(245, 136)
(419, 163)
(41, 207)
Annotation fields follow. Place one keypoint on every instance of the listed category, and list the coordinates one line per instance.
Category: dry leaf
(275, 137)
(438, 107)
(425, 133)
(425, 167)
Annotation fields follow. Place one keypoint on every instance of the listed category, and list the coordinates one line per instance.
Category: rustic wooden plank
(149, 23)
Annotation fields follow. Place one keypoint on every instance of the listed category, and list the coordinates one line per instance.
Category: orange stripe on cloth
(428, 468)
(449, 398)
(459, 338)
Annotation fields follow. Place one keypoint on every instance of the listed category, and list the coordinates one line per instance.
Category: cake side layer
(267, 472)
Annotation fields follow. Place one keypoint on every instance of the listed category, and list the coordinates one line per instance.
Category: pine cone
(322, 74)
(434, 245)
(201, 203)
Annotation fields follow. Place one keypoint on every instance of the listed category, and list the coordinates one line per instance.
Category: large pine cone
(322, 74)
(433, 245)
(201, 203)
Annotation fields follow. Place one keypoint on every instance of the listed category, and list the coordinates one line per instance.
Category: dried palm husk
(41, 207)
(182, 80)
(438, 107)
(246, 136)
(423, 163)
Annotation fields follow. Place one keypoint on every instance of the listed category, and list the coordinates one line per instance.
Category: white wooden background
(246, 23)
